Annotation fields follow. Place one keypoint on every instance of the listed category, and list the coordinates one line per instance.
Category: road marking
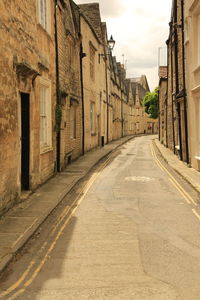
(16, 294)
(53, 244)
(180, 191)
(196, 213)
(179, 187)
(14, 286)
(157, 162)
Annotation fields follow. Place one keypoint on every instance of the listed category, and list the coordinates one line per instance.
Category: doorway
(25, 140)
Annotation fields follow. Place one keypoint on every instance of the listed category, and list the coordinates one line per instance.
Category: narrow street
(133, 234)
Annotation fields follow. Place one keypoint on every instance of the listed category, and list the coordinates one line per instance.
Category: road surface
(134, 233)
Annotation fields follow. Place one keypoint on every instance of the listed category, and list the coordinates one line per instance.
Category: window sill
(196, 69)
(48, 34)
(197, 157)
(196, 89)
(45, 149)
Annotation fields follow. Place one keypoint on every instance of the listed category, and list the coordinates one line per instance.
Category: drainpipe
(172, 87)
(122, 117)
(184, 83)
(159, 116)
(177, 78)
(82, 55)
(107, 99)
(58, 100)
(167, 94)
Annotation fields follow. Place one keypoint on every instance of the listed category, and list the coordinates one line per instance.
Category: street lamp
(111, 44)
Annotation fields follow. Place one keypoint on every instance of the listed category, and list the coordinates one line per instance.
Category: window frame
(46, 145)
(92, 118)
(73, 118)
(92, 55)
(47, 9)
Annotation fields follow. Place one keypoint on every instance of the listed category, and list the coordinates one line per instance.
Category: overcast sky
(139, 28)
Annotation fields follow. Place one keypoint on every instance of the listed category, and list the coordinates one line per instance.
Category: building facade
(179, 112)
(69, 103)
(27, 97)
(192, 55)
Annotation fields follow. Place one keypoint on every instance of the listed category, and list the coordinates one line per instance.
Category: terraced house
(27, 97)
(180, 115)
(62, 93)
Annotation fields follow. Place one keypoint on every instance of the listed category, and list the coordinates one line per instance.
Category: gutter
(82, 55)
(58, 100)
(177, 79)
(184, 84)
(172, 87)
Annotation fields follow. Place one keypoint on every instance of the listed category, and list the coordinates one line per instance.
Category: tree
(150, 102)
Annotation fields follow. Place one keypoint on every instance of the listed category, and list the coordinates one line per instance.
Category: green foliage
(150, 102)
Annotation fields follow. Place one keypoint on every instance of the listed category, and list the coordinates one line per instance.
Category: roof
(139, 84)
(92, 12)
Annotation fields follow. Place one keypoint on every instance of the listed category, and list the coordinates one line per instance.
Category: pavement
(22, 221)
(191, 175)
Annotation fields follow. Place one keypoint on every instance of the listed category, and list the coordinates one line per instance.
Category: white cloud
(139, 27)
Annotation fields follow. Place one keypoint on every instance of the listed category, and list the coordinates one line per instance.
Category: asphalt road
(134, 234)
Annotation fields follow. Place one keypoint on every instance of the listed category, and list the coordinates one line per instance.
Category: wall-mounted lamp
(111, 44)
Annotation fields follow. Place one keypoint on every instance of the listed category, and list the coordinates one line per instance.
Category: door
(25, 140)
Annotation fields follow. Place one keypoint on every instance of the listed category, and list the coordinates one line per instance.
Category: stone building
(176, 101)
(181, 106)
(143, 123)
(95, 77)
(192, 56)
(69, 82)
(116, 100)
(27, 97)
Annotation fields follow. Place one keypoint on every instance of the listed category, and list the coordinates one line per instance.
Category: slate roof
(141, 84)
(92, 13)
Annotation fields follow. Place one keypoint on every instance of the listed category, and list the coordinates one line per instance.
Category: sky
(140, 28)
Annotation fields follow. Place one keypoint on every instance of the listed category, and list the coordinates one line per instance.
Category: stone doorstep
(21, 237)
(190, 175)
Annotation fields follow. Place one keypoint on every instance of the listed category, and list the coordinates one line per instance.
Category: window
(92, 117)
(44, 14)
(198, 40)
(137, 111)
(198, 127)
(92, 62)
(137, 126)
(71, 52)
(45, 115)
(73, 121)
